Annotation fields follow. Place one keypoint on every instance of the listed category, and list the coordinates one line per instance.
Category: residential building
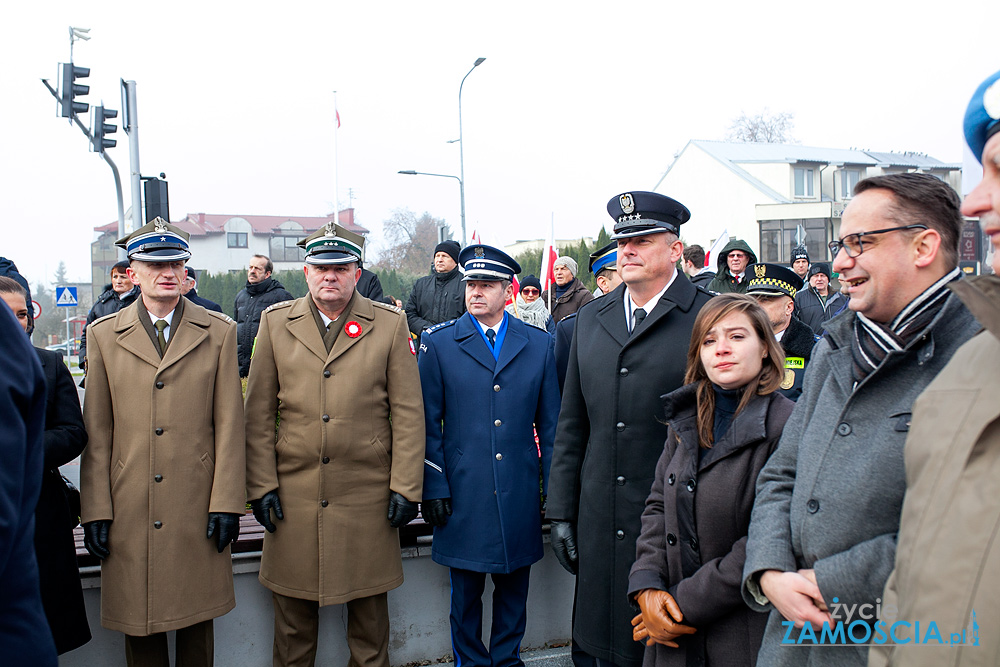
(770, 195)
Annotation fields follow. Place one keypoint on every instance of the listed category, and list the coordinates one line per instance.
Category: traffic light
(101, 128)
(68, 105)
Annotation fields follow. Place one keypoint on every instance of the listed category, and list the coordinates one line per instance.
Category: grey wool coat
(830, 496)
(694, 529)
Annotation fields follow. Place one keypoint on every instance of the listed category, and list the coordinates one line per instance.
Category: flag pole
(336, 161)
(552, 237)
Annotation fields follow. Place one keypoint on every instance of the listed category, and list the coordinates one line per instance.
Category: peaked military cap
(332, 244)
(156, 241)
(982, 117)
(772, 280)
(639, 213)
(605, 258)
(483, 262)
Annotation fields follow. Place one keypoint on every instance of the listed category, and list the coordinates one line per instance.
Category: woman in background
(528, 308)
(723, 425)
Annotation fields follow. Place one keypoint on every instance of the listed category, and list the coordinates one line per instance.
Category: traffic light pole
(114, 170)
(130, 123)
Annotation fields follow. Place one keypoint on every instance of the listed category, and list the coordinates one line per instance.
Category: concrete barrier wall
(418, 613)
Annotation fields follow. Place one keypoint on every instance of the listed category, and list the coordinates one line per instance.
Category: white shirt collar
(169, 318)
(496, 328)
(630, 306)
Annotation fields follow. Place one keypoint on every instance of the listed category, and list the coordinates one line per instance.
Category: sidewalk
(546, 657)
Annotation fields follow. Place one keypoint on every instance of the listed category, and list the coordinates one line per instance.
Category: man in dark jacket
(629, 348)
(121, 293)
(733, 262)
(189, 288)
(25, 638)
(818, 303)
(261, 291)
(775, 287)
(370, 287)
(440, 296)
(694, 266)
(569, 293)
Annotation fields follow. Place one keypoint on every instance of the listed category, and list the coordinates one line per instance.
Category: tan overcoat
(336, 455)
(166, 448)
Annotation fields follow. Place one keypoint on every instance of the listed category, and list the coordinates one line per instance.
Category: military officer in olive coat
(162, 475)
(629, 348)
(339, 476)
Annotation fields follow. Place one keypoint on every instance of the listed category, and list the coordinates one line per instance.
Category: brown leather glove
(660, 620)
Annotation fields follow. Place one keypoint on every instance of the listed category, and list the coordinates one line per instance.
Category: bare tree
(763, 127)
(410, 241)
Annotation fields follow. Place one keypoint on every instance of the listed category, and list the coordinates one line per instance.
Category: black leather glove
(563, 537)
(225, 526)
(436, 511)
(262, 510)
(401, 510)
(95, 538)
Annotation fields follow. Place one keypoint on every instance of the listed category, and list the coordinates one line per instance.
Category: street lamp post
(461, 146)
(410, 172)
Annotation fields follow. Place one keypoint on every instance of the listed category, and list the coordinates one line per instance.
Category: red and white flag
(337, 111)
(549, 255)
(717, 247)
(475, 237)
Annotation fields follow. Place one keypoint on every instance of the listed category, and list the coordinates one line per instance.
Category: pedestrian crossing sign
(66, 296)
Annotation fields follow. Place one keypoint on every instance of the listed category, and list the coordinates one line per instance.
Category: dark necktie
(492, 336)
(160, 338)
(330, 337)
(639, 315)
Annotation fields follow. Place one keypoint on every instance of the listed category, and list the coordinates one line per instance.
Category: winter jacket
(812, 311)
(576, 295)
(703, 278)
(798, 342)
(948, 559)
(694, 529)
(251, 301)
(724, 281)
(107, 304)
(436, 298)
(207, 304)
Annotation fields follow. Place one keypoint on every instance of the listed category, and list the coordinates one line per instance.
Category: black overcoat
(610, 435)
(694, 529)
(58, 572)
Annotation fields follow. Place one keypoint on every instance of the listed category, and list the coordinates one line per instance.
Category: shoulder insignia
(281, 304)
(387, 306)
(442, 325)
(221, 316)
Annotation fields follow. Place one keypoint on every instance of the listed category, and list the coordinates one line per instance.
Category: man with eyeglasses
(948, 560)
(823, 534)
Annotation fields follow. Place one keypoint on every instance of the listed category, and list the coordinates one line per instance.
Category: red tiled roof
(202, 224)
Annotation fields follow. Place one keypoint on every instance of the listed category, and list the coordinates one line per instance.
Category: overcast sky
(575, 103)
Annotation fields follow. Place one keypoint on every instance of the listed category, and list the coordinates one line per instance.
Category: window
(236, 239)
(777, 238)
(848, 179)
(283, 249)
(804, 182)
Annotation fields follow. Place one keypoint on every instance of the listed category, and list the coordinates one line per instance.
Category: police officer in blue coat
(488, 380)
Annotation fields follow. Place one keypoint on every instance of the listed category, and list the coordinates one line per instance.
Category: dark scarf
(445, 277)
(256, 289)
(873, 341)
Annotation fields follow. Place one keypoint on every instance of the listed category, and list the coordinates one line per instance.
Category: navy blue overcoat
(480, 415)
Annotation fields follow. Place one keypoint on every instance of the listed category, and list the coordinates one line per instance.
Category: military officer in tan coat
(162, 478)
(339, 476)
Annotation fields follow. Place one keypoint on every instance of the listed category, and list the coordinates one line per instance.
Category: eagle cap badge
(760, 270)
(627, 203)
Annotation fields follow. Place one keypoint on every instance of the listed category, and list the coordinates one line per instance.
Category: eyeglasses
(529, 290)
(854, 246)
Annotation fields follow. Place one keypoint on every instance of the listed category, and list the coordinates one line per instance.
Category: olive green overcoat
(166, 448)
(337, 454)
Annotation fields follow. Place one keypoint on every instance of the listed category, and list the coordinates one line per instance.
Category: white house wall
(776, 175)
(718, 198)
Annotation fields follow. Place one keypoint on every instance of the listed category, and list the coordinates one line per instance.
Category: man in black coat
(629, 348)
(64, 439)
(25, 638)
(775, 288)
(440, 296)
(819, 302)
(121, 293)
(189, 288)
(261, 291)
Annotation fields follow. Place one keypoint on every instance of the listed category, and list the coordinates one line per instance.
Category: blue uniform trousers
(510, 616)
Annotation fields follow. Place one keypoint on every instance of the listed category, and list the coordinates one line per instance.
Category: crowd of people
(740, 467)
